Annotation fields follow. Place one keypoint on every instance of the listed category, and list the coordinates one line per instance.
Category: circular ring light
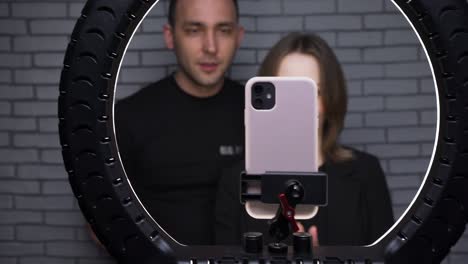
(424, 234)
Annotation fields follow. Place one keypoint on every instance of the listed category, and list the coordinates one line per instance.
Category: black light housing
(428, 229)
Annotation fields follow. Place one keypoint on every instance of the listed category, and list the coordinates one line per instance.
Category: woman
(359, 207)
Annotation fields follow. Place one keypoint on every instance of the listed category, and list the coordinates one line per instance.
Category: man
(176, 135)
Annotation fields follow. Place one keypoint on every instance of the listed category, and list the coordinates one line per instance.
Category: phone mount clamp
(289, 190)
(284, 222)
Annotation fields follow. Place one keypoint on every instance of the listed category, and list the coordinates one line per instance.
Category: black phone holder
(315, 187)
(288, 190)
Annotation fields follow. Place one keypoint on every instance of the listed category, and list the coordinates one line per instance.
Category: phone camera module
(263, 95)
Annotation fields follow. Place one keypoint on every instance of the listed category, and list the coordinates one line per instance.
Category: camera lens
(258, 103)
(258, 89)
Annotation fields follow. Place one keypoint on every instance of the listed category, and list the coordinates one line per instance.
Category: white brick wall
(391, 110)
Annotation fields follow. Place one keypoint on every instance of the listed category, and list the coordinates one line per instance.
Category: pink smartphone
(281, 134)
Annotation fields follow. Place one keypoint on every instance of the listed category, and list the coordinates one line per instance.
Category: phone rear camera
(258, 89)
(258, 103)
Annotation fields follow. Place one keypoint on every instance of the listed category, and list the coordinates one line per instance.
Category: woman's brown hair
(332, 83)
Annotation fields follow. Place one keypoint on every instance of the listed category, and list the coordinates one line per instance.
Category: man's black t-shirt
(174, 147)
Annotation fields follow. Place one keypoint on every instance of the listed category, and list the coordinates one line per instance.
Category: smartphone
(281, 134)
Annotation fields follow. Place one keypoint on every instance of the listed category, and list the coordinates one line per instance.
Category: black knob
(302, 243)
(253, 242)
(294, 192)
(278, 248)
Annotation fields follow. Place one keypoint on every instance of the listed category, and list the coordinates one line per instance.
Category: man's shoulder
(148, 92)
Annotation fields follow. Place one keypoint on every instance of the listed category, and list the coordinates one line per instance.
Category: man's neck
(195, 90)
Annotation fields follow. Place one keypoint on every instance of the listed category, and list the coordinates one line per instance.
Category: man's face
(205, 37)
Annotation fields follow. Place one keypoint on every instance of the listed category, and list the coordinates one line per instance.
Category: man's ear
(240, 36)
(168, 36)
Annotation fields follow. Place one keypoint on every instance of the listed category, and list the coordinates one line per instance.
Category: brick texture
(391, 111)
